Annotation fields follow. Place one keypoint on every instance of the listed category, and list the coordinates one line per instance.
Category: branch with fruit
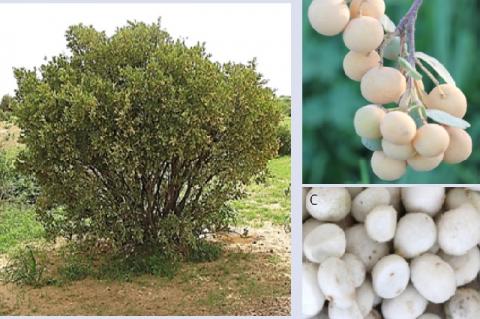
(420, 130)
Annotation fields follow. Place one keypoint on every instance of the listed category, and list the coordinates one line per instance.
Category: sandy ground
(257, 284)
(267, 239)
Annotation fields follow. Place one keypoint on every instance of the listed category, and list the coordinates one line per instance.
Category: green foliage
(18, 225)
(14, 185)
(285, 103)
(205, 251)
(26, 267)
(6, 107)
(332, 153)
(284, 137)
(76, 265)
(139, 139)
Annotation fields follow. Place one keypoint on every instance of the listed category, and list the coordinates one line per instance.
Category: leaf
(372, 144)
(417, 113)
(448, 119)
(387, 24)
(437, 66)
(411, 71)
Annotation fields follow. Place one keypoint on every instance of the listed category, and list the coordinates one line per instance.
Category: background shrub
(141, 139)
(284, 137)
(14, 185)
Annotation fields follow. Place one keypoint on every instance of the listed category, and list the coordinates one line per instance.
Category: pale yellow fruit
(382, 85)
(431, 140)
(423, 164)
(453, 101)
(372, 8)
(328, 17)
(398, 151)
(363, 34)
(367, 121)
(386, 168)
(398, 128)
(355, 64)
(460, 147)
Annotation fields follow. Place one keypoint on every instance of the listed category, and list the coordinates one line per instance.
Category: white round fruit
(425, 199)
(416, 233)
(363, 34)
(328, 17)
(324, 241)
(328, 203)
(367, 121)
(312, 297)
(390, 276)
(387, 168)
(367, 200)
(361, 245)
(335, 282)
(458, 230)
(464, 305)
(381, 223)
(433, 278)
(408, 305)
(466, 267)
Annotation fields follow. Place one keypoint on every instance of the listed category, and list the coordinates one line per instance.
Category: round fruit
(424, 164)
(328, 17)
(398, 127)
(357, 64)
(367, 121)
(386, 168)
(452, 100)
(363, 34)
(382, 85)
(460, 146)
(392, 49)
(398, 151)
(431, 140)
(371, 8)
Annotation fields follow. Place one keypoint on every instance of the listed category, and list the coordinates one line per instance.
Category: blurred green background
(332, 152)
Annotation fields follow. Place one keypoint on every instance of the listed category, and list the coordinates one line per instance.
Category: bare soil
(252, 278)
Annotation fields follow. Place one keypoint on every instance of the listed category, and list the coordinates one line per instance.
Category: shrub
(284, 137)
(141, 139)
(15, 186)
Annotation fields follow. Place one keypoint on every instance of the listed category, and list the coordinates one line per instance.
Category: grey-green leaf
(410, 69)
(387, 24)
(437, 66)
(447, 119)
(372, 144)
(417, 113)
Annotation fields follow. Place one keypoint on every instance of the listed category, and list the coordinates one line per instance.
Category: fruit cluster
(393, 253)
(401, 135)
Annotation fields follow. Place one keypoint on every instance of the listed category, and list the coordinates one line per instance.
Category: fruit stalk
(406, 27)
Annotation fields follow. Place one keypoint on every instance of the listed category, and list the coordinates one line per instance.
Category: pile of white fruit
(393, 253)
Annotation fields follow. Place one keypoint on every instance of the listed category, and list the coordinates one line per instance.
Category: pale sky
(232, 32)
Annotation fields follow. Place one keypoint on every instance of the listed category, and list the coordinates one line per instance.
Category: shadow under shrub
(140, 139)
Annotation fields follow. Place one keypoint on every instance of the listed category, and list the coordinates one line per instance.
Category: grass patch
(18, 225)
(269, 201)
(205, 251)
(26, 267)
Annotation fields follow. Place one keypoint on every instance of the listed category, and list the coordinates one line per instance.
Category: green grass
(269, 201)
(17, 226)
